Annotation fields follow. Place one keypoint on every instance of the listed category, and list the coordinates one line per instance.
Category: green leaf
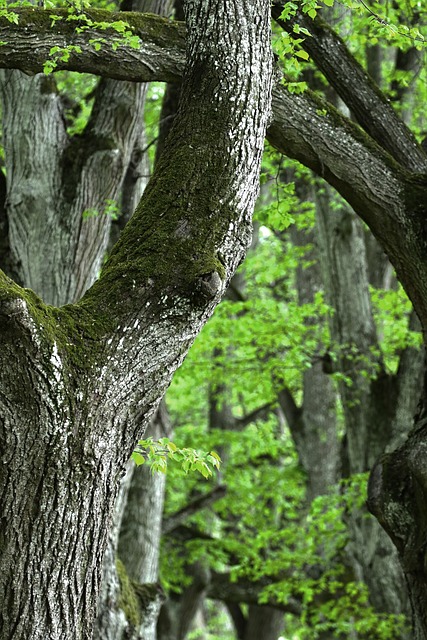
(302, 54)
(138, 458)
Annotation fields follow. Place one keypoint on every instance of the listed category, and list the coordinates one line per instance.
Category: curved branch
(388, 199)
(391, 201)
(160, 56)
(222, 587)
(362, 96)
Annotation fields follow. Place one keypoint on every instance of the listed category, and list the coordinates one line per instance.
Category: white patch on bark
(56, 362)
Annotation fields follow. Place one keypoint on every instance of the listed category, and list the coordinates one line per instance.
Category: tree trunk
(397, 498)
(263, 622)
(377, 407)
(76, 380)
(313, 425)
(65, 183)
(117, 610)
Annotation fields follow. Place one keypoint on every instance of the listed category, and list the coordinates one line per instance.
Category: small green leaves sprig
(111, 210)
(59, 54)
(77, 12)
(156, 454)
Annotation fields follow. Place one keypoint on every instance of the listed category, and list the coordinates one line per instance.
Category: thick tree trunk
(139, 540)
(76, 381)
(58, 251)
(117, 610)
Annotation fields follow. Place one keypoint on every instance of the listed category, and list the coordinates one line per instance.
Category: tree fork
(90, 371)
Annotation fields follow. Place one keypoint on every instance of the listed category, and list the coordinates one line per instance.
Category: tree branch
(362, 96)
(238, 618)
(304, 127)
(173, 521)
(256, 414)
(391, 201)
(27, 45)
(221, 587)
(290, 409)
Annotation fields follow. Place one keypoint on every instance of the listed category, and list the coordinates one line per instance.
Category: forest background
(309, 370)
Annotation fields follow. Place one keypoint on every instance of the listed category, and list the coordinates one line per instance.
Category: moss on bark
(128, 599)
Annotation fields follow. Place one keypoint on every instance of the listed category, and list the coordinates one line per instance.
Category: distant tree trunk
(313, 424)
(77, 381)
(52, 180)
(263, 622)
(377, 406)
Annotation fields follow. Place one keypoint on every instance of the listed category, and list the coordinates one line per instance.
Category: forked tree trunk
(75, 381)
(56, 184)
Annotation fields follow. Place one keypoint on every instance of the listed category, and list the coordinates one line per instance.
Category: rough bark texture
(76, 381)
(397, 497)
(377, 407)
(131, 597)
(139, 540)
(390, 200)
(57, 249)
(373, 178)
(141, 529)
(112, 621)
(362, 96)
(160, 55)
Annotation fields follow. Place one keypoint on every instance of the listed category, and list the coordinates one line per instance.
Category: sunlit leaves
(156, 454)
(392, 310)
(59, 54)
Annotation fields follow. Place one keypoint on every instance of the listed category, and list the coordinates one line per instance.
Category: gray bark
(362, 96)
(76, 381)
(378, 407)
(390, 200)
(60, 255)
(141, 528)
(313, 424)
(57, 251)
(263, 622)
(159, 58)
(111, 622)
(135, 540)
